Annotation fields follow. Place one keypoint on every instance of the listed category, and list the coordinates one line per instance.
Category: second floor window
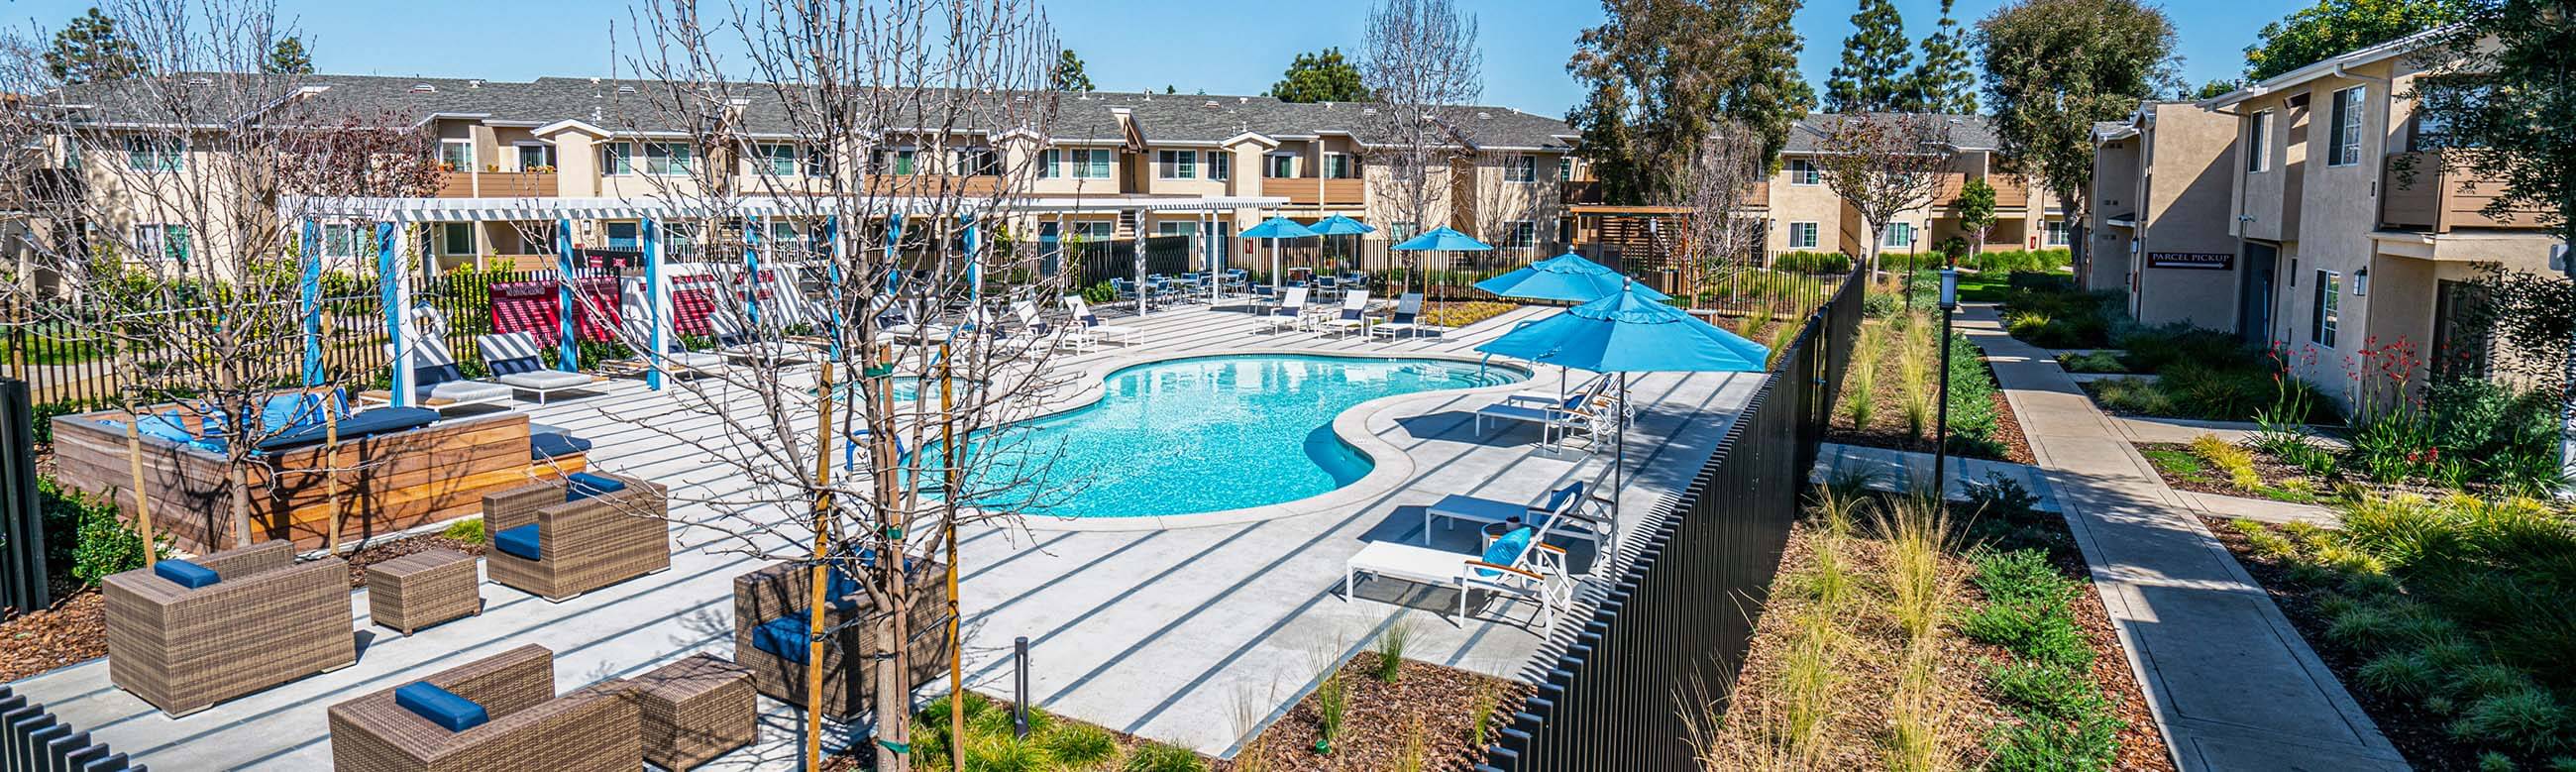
(1339, 166)
(779, 160)
(1281, 166)
(2344, 145)
(536, 157)
(2258, 143)
(1093, 163)
(1565, 169)
(155, 154)
(1522, 169)
(1178, 164)
(1804, 172)
(456, 154)
(163, 242)
(1802, 235)
(979, 162)
(1220, 165)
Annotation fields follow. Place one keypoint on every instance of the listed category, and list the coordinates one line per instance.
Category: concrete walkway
(2232, 684)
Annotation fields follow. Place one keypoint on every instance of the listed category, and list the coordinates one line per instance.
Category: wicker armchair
(582, 545)
(784, 590)
(267, 621)
(596, 727)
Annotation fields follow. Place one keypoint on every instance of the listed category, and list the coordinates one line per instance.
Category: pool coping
(1390, 468)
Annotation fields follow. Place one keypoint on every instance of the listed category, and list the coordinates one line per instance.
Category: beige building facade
(1804, 215)
(2160, 214)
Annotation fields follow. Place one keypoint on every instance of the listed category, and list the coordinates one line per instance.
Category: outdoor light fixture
(2361, 282)
(1941, 423)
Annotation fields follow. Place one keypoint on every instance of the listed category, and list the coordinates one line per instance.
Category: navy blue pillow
(784, 637)
(186, 574)
(582, 485)
(520, 542)
(440, 706)
(843, 590)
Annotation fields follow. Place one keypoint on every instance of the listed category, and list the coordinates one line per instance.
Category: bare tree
(1421, 62)
(1501, 195)
(179, 249)
(1883, 165)
(871, 164)
(1719, 185)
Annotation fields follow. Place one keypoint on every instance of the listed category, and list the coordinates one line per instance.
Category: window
(1047, 160)
(456, 238)
(679, 239)
(1279, 166)
(1220, 165)
(2057, 233)
(1899, 234)
(617, 158)
(1094, 230)
(1802, 235)
(1522, 169)
(1399, 231)
(1339, 166)
(1803, 172)
(1564, 168)
(1176, 228)
(621, 235)
(1093, 163)
(2344, 145)
(1520, 234)
(777, 160)
(902, 161)
(340, 240)
(536, 157)
(1178, 164)
(166, 242)
(2327, 314)
(2258, 143)
(456, 154)
(978, 162)
(155, 154)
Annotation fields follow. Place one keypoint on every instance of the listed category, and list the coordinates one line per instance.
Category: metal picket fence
(33, 739)
(1677, 622)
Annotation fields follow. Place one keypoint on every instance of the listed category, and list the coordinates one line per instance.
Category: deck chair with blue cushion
(439, 385)
(1576, 510)
(1352, 316)
(1407, 319)
(517, 361)
(1291, 311)
(1520, 564)
(1569, 415)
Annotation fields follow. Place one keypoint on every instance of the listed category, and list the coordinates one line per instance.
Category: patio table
(422, 589)
(694, 710)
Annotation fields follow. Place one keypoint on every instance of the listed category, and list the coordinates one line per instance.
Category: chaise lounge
(186, 634)
(591, 531)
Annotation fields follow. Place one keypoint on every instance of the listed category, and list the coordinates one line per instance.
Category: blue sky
(1127, 44)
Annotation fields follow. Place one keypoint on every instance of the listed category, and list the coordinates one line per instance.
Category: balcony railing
(932, 184)
(2010, 192)
(496, 184)
(1303, 191)
(2419, 190)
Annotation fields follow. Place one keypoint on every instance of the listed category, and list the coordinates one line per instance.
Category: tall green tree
(1322, 76)
(1663, 73)
(1068, 74)
(90, 49)
(2336, 26)
(2215, 88)
(2053, 68)
(1977, 212)
(288, 57)
(1877, 60)
(1944, 82)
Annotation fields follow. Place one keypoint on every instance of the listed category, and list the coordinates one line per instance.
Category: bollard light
(1949, 289)
(1941, 424)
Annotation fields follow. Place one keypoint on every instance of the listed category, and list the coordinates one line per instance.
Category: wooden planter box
(388, 482)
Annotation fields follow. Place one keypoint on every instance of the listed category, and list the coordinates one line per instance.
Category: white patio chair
(1291, 312)
(1407, 319)
(1569, 415)
(1532, 570)
(1090, 331)
(518, 362)
(1353, 316)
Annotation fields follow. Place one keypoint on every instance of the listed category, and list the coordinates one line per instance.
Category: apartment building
(2352, 231)
(1113, 166)
(2159, 220)
(1804, 214)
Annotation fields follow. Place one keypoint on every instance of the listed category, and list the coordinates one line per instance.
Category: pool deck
(1192, 635)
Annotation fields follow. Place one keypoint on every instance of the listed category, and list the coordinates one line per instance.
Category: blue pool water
(1216, 433)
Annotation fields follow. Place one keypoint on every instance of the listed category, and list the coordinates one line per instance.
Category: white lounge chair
(1353, 315)
(1091, 331)
(519, 363)
(1565, 417)
(1578, 510)
(438, 384)
(901, 324)
(1532, 570)
(1407, 319)
(736, 344)
(1291, 312)
(1603, 400)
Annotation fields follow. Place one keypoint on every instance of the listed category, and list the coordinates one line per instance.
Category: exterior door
(2254, 293)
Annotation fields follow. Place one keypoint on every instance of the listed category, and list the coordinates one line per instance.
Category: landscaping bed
(1419, 716)
(2463, 436)
(1994, 653)
(72, 632)
(1891, 394)
(2447, 619)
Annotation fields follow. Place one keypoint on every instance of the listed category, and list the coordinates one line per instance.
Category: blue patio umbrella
(1627, 332)
(1274, 229)
(1442, 239)
(1338, 225)
(1566, 277)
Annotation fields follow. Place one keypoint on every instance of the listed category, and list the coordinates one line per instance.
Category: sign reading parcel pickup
(2213, 261)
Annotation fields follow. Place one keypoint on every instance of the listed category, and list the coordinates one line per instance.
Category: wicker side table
(422, 589)
(694, 710)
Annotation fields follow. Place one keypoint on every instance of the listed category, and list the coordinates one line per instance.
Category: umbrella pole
(1619, 460)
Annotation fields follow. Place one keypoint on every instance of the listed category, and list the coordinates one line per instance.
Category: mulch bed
(378, 553)
(1379, 718)
(2416, 732)
(73, 631)
(1887, 425)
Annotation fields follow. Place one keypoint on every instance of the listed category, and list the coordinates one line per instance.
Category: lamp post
(1941, 423)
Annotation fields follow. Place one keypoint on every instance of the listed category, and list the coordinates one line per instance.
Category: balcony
(1303, 191)
(2010, 191)
(931, 185)
(2419, 191)
(496, 185)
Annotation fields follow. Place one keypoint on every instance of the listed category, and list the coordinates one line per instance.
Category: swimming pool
(1215, 433)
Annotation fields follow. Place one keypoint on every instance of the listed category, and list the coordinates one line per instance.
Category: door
(2461, 346)
(2254, 293)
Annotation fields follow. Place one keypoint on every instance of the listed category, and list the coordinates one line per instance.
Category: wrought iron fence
(33, 738)
(1676, 623)
(22, 519)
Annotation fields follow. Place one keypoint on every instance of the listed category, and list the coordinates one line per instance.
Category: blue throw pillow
(582, 485)
(166, 426)
(844, 590)
(282, 412)
(184, 573)
(440, 706)
(520, 542)
(1507, 550)
(784, 637)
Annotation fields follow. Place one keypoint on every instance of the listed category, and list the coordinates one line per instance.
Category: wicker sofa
(596, 727)
(582, 544)
(267, 620)
(783, 591)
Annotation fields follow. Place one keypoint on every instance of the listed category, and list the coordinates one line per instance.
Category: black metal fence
(22, 518)
(1099, 261)
(34, 739)
(1676, 624)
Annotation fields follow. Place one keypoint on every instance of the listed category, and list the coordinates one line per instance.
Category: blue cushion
(1507, 550)
(281, 412)
(440, 706)
(213, 445)
(165, 426)
(549, 445)
(383, 420)
(186, 574)
(843, 590)
(520, 542)
(582, 485)
(784, 637)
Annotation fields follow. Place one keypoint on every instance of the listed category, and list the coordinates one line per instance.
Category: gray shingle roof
(1967, 132)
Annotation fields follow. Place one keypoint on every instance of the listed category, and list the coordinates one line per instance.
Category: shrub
(2529, 720)
(1080, 746)
(468, 530)
(83, 533)
(2092, 362)
(2048, 690)
(1812, 262)
(2403, 674)
(1390, 651)
(2036, 744)
(1157, 757)
(2237, 462)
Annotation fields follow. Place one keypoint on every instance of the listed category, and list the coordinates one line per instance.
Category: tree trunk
(893, 666)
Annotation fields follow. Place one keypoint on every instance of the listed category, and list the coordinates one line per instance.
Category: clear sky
(1219, 48)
